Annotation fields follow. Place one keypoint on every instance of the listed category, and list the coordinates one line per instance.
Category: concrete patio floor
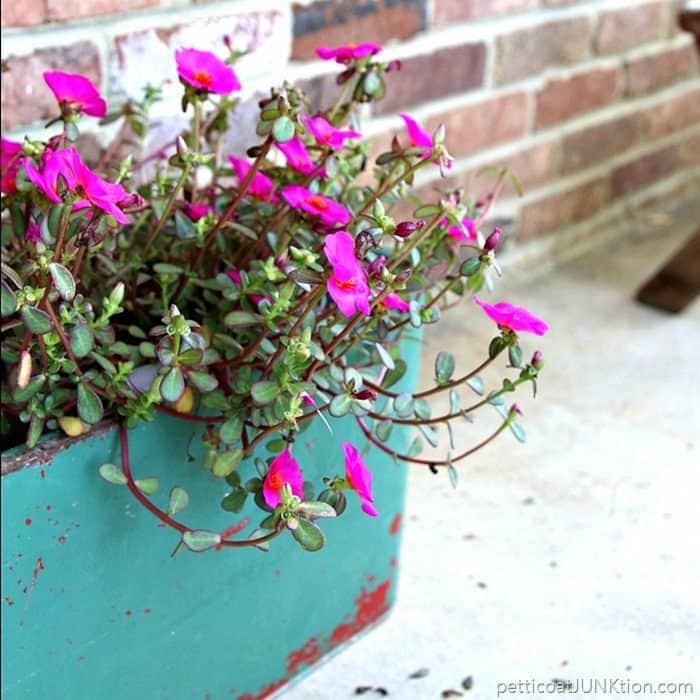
(577, 554)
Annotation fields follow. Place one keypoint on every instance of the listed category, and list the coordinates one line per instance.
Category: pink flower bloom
(459, 235)
(32, 233)
(418, 137)
(260, 187)
(297, 156)
(327, 135)
(348, 284)
(284, 469)
(359, 478)
(348, 52)
(327, 210)
(205, 71)
(9, 165)
(195, 212)
(512, 317)
(77, 92)
(394, 301)
(67, 166)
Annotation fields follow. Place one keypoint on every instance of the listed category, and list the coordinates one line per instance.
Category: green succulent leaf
(177, 500)
(308, 535)
(226, 462)
(89, 404)
(62, 280)
(36, 320)
(264, 392)
(8, 300)
(147, 485)
(113, 474)
(81, 340)
(283, 129)
(444, 367)
(200, 540)
(340, 405)
(173, 385)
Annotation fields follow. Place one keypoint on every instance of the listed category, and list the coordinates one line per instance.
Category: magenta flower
(32, 233)
(327, 135)
(297, 156)
(417, 136)
(9, 165)
(359, 478)
(77, 92)
(284, 469)
(67, 167)
(260, 187)
(459, 235)
(348, 52)
(327, 210)
(205, 71)
(195, 212)
(394, 301)
(347, 285)
(515, 318)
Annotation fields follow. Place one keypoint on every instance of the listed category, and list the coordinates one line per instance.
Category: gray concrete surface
(575, 555)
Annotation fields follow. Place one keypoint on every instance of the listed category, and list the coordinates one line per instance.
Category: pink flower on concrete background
(326, 209)
(206, 71)
(260, 187)
(469, 233)
(67, 166)
(76, 91)
(394, 301)
(327, 135)
(359, 478)
(348, 52)
(347, 285)
(284, 469)
(417, 136)
(9, 165)
(515, 318)
(298, 157)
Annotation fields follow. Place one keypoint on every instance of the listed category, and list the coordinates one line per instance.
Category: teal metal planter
(95, 606)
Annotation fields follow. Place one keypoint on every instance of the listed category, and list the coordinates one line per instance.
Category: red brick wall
(593, 102)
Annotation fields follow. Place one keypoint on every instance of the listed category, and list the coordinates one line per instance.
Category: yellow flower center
(275, 482)
(346, 284)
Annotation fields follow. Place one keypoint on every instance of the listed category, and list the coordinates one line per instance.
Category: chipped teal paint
(94, 606)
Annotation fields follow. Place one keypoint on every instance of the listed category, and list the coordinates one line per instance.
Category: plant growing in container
(241, 300)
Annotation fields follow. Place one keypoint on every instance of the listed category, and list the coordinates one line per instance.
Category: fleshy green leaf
(283, 129)
(386, 359)
(317, 509)
(470, 266)
(340, 405)
(8, 300)
(452, 473)
(308, 535)
(113, 474)
(26, 393)
(496, 345)
(234, 501)
(62, 280)
(422, 409)
(202, 381)
(444, 367)
(518, 431)
(226, 462)
(173, 385)
(515, 355)
(476, 384)
(81, 340)
(403, 405)
(147, 485)
(415, 448)
(241, 318)
(89, 404)
(178, 500)
(36, 320)
(200, 540)
(383, 430)
(230, 431)
(426, 210)
(264, 392)
(394, 375)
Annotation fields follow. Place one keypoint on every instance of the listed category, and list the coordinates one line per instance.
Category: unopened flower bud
(365, 394)
(407, 228)
(493, 240)
(403, 276)
(374, 269)
(292, 523)
(536, 360)
(24, 371)
(395, 64)
(439, 135)
(227, 41)
(515, 410)
(181, 147)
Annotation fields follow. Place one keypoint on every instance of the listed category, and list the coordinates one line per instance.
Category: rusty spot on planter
(395, 525)
(308, 654)
(370, 606)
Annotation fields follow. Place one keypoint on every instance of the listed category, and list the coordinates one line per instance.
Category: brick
(527, 52)
(644, 171)
(659, 68)
(336, 22)
(625, 28)
(23, 14)
(689, 151)
(61, 10)
(595, 144)
(557, 210)
(444, 72)
(562, 98)
(478, 126)
(672, 115)
(25, 97)
(447, 11)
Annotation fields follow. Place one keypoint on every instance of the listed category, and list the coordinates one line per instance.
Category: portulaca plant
(251, 294)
